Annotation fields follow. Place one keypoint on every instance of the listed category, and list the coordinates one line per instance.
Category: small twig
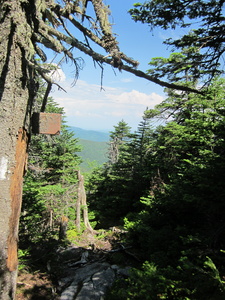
(23, 283)
(118, 249)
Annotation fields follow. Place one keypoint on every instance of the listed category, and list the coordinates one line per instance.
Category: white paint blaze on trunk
(3, 168)
(15, 98)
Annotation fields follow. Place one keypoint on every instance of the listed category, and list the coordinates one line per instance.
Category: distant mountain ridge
(94, 147)
(90, 135)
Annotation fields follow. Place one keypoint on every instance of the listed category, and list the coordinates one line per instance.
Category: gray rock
(90, 282)
(85, 274)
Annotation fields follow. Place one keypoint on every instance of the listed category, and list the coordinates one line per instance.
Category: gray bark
(16, 95)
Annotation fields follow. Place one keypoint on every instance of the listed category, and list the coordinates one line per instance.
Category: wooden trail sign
(46, 123)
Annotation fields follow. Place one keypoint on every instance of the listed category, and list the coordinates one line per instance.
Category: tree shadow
(56, 261)
(39, 292)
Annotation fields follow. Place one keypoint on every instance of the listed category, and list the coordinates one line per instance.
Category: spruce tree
(50, 183)
(180, 227)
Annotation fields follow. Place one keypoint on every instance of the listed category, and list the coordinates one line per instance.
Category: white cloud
(57, 75)
(136, 97)
(121, 113)
(86, 106)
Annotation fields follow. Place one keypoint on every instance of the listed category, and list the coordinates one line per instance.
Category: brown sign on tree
(46, 123)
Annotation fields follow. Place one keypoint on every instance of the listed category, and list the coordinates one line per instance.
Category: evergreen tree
(51, 183)
(117, 187)
(118, 137)
(105, 183)
(180, 228)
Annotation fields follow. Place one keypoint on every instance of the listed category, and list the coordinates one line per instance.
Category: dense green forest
(166, 186)
(50, 185)
(92, 154)
(163, 184)
(94, 147)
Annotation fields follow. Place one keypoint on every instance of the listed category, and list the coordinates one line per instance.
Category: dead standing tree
(81, 205)
(27, 27)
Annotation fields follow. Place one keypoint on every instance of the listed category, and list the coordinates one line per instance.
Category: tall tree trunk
(16, 96)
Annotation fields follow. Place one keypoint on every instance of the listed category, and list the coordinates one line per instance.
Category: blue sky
(124, 96)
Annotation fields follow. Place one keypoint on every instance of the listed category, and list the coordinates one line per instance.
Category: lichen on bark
(16, 95)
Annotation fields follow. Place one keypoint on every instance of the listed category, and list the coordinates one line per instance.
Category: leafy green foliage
(185, 282)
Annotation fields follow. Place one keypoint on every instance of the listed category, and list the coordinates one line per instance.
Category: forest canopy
(202, 47)
(164, 185)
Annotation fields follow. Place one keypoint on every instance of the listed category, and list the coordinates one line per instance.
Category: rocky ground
(84, 270)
